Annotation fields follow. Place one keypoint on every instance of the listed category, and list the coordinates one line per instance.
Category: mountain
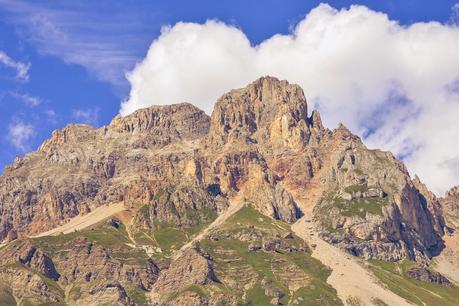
(168, 206)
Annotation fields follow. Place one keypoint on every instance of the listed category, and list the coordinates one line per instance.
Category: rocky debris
(191, 268)
(426, 275)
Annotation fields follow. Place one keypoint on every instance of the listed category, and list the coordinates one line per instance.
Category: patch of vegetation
(267, 264)
(249, 216)
(257, 296)
(356, 188)
(204, 214)
(6, 296)
(360, 207)
(137, 295)
(357, 207)
(415, 291)
(168, 236)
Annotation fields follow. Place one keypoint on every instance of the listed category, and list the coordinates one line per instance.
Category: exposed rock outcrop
(81, 167)
(426, 275)
(176, 165)
(450, 207)
(191, 268)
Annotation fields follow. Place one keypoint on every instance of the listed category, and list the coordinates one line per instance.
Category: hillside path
(81, 222)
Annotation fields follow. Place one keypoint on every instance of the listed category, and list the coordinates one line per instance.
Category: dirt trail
(235, 205)
(447, 263)
(81, 222)
(348, 277)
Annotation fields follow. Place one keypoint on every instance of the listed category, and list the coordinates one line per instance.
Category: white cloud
(87, 116)
(27, 99)
(20, 133)
(22, 69)
(396, 85)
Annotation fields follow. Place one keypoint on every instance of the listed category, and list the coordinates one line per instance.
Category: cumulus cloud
(396, 86)
(87, 116)
(20, 133)
(22, 69)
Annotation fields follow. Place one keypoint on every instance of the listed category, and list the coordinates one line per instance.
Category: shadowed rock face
(182, 166)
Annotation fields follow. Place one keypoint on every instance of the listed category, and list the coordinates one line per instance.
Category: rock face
(426, 275)
(189, 269)
(376, 211)
(81, 167)
(176, 166)
(450, 207)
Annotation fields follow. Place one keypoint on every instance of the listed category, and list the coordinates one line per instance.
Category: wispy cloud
(27, 99)
(22, 69)
(20, 133)
(87, 116)
(102, 43)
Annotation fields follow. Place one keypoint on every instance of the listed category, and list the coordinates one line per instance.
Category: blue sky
(64, 62)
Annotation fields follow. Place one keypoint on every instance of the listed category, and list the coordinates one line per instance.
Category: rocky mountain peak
(268, 112)
(450, 207)
(182, 120)
(453, 192)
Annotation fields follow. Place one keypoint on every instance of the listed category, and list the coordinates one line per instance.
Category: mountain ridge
(176, 169)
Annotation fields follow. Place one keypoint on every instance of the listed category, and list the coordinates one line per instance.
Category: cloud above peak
(396, 86)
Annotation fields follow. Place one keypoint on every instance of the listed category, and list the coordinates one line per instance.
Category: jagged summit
(267, 111)
(175, 170)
